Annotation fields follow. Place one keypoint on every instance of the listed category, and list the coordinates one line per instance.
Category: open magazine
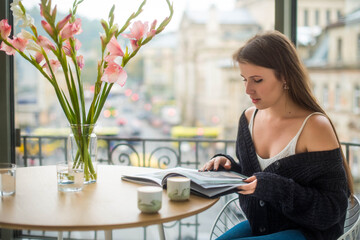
(210, 184)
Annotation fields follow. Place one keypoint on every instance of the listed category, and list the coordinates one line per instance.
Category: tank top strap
(251, 122)
(303, 124)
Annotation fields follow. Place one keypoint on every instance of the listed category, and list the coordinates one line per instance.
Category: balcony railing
(147, 152)
(44, 150)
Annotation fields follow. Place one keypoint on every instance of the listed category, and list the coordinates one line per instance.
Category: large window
(176, 79)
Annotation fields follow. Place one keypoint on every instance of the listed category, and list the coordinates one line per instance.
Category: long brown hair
(275, 51)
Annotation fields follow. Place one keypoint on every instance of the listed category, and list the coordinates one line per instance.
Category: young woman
(299, 181)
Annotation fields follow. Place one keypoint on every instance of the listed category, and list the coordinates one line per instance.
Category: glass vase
(82, 150)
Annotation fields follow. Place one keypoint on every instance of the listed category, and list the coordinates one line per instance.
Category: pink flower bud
(5, 29)
(80, 61)
(134, 44)
(152, 31)
(39, 57)
(41, 10)
(47, 27)
(45, 43)
(63, 22)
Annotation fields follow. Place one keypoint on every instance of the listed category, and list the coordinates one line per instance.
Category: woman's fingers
(223, 162)
(248, 188)
(208, 166)
(250, 179)
(215, 163)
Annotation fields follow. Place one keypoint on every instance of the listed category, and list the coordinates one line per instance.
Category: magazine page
(146, 178)
(210, 179)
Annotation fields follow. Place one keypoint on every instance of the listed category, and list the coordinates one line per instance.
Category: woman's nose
(249, 88)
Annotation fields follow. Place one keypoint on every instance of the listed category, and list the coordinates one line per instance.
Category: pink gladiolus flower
(54, 64)
(63, 22)
(137, 31)
(80, 61)
(77, 44)
(20, 43)
(45, 43)
(70, 29)
(67, 49)
(134, 44)
(47, 27)
(114, 73)
(5, 29)
(39, 57)
(7, 49)
(114, 49)
(67, 46)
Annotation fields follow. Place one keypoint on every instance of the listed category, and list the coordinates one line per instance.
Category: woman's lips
(255, 100)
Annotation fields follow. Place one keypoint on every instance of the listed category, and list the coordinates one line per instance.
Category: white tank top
(287, 151)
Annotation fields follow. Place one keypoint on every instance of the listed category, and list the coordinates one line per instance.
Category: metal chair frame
(231, 214)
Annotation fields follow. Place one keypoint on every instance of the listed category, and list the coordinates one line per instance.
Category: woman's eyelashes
(255, 80)
(258, 80)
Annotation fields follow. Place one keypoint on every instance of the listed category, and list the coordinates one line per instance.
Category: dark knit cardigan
(306, 191)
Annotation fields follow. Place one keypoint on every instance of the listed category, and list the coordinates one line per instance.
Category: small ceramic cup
(178, 188)
(149, 199)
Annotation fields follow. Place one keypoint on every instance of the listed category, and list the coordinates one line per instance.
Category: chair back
(352, 221)
(231, 214)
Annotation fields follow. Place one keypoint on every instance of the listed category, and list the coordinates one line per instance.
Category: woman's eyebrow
(253, 76)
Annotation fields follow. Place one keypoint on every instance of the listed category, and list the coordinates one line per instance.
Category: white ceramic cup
(7, 179)
(178, 188)
(149, 199)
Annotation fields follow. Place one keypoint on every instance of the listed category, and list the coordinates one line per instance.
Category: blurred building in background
(209, 90)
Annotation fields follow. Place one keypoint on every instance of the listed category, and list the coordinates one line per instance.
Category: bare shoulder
(319, 135)
(249, 112)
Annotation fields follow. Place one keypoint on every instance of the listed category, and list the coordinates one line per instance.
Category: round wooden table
(110, 203)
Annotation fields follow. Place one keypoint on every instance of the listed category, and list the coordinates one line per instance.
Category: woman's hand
(248, 188)
(215, 162)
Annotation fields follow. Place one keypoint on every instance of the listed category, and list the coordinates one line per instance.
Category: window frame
(7, 120)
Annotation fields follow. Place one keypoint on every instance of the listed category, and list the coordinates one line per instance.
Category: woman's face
(262, 86)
